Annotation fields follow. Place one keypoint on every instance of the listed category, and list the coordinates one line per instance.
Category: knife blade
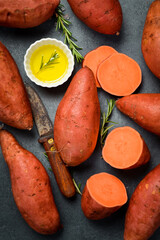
(45, 130)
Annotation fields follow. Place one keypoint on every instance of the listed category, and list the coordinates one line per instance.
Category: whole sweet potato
(30, 186)
(15, 107)
(26, 13)
(143, 108)
(102, 16)
(77, 119)
(151, 38)
(143, 214)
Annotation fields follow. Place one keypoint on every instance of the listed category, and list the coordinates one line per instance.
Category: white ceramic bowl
(47, 41)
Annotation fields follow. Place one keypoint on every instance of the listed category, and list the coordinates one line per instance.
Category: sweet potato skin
(15, 107)
(143, 108)
(30, 186)
(143, 214)
(151, 38)
(92, 209)
(102, 16)
(77, 119)
(26, 14)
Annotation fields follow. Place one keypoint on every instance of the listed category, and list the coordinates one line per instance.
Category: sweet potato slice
(103, 195)
(125, 149)
(93, 58)
(119, 75)
(143, 214)
(143, 108)
(30, 186)
(15, 107)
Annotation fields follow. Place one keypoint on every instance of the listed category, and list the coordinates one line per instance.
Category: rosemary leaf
(62, 25)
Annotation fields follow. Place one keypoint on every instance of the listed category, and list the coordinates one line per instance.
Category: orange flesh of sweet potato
(143, 108)
(151, 38)
(119, 75)
(143, 214)
(26, 13)
(102, 195)
(30, 186)
(125, 149)
(15, 107)
(102, 16)
(93, 58)
(77, 119)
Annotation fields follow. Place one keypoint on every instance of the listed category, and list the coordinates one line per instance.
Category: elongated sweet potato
(26, 13)
(103, 195)
(15, 107)
(77, 119)
(143, 108)
(143, 214)
(102, 16)
(151, 38)
(125, 149)
(30, 186)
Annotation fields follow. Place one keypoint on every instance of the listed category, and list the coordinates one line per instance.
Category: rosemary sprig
(50, 62)
(62, 24)
(77, 187)
(105, 121)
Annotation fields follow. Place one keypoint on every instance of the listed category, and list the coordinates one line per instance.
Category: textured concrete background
(75, 225)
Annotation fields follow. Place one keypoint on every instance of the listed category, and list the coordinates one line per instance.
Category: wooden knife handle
(61, 173)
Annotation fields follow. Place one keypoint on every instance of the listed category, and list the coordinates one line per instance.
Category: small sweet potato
(77, 119)
(102, 16)
(103, 195)
(151, 38)
(30, 186)
(143, 108)
(143, 214)
(15, 107)
(26, 13)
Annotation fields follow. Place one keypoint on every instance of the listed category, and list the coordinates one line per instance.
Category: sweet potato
(77, 119)
(30, 186)
(103, 195)
(93, 58)
(26, 13)
(119, 75)
(151, 38)
(125, 149)
(102, 16)
(143, 108)
(143, 214)
(15, 107)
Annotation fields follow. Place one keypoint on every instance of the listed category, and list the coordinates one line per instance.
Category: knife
(45, 130)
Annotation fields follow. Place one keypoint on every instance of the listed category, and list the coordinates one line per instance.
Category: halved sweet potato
(103, 195)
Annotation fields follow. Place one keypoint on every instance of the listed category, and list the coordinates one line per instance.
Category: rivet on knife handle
(62, 175)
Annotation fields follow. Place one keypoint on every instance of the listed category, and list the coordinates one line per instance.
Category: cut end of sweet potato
(93, 58)
(119, 75)
(107, 190)
(124, 148)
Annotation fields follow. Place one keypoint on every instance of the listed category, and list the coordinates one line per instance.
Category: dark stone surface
(75, 225)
